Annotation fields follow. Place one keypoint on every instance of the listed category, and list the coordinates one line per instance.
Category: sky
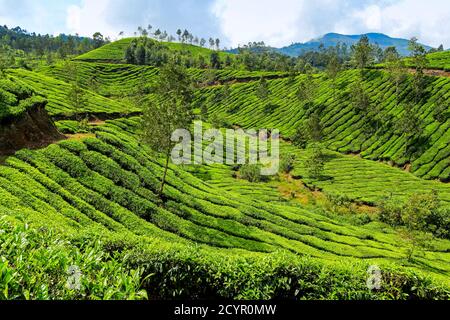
(236, 22)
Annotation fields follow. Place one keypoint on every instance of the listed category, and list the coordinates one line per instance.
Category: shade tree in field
(360, 98)
(441, 109)
(170, 111)
(315, 161)
(76, 96)
(363, 54)
(214, 60)
(310, 131)
(420, 62)
(262, 89)
(396, 68)
(332, 70)
(307, 90)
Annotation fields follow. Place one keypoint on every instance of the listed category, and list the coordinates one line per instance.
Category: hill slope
(332, 39)
(115, 52)
(345, 129)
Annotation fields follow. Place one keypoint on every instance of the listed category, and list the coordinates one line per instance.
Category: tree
(309, 131)
(77, 99)
(396, 68)
(440, 48)
(262, 89)
(140, 54)
(157, 33)
(315, 162)
(333, 69)
(215, 60)
(179, 33)
(171, 110)
(3, 62)
(129, 55)
(360, 98)
(287, 163)
(441, 108)
(410, 123)
(76, 96)
(98, 40)
(217, 42)
(185, 36)
(363, 54)
(314, 126)
(420, 62)
(306, 91)
(202, 42)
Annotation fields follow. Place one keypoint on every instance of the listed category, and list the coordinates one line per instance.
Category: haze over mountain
(332, 39)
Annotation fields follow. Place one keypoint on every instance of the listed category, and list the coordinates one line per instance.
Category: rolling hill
(332, 39)
(93, 198)
(115, 51)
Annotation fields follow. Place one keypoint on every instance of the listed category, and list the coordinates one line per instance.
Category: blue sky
(277, 22)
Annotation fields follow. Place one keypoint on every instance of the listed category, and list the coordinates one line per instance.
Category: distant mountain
(332, 39)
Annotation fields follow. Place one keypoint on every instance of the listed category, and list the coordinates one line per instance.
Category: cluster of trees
(409, 124)
(42, 45)
(183, 36)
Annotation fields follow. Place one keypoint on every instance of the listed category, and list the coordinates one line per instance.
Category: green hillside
(123, 79)
(56, 92)
(15, 99)
(346, 130)
(107, 185)
(115, 51)
(92, 199)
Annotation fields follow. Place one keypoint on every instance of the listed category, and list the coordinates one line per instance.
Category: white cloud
(255, 20)
(90, 16)
(284, 21)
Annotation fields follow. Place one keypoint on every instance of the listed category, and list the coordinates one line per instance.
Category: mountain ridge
(332, 39)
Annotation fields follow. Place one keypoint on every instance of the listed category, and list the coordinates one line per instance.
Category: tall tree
(363, 54)
(420, 62)
(441, 109)
(215, 60)
(262, 89)
(217, 42)
(98, 40)
(333, 69)
(307, 89)
(396, 68)
(315, 161)
(170, 111)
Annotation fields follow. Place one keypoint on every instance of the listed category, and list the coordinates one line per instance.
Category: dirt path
(432, 72)
(80, 136)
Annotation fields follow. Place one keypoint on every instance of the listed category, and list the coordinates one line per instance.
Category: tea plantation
(92, 201)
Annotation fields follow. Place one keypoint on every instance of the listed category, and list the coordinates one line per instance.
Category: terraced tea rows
(56, 92)
(116, 80)
(109, 183)
(115, 52)
(437, 60)
(345, 129)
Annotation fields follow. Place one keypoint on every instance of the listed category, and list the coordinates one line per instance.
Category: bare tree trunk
(163, 181)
